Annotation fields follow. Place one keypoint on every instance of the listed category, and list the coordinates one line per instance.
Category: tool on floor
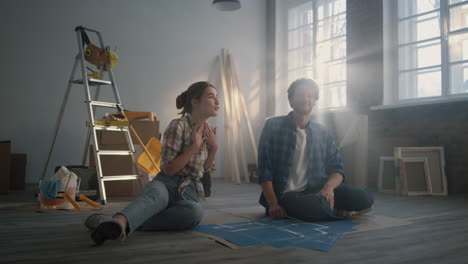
(88, 201)
(72, 201)
(104, 61)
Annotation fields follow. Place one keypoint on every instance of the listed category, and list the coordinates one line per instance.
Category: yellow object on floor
(72, 201)
(154, 149)
(88, 201)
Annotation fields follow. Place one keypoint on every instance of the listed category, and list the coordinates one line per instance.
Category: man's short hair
(306, 82)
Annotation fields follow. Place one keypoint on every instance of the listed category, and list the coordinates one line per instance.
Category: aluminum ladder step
(120, 177)
(111, 128)
(104, 104)
(93, 82)
(115, 152)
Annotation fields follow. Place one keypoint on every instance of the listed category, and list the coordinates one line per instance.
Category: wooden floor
(436, 231)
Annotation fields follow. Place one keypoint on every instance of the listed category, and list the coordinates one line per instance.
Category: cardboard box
(117, 165)
(145, 129)
(133, 115)
(5, 149)
(17, 171)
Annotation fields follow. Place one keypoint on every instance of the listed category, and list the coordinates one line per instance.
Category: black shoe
(94, 220)
(109, 229)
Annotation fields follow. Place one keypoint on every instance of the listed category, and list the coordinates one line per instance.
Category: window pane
(324, 52)
(412, 7)
(330, 58)
(309, 72)
(331, 27)
(306, 54)
(331, 73)
(338, 26)
(300, 15)
(458, 17)
(336, 72)
(419, 28)
(458, 47)
(337, 7)
(300, 57)
(327, 8)
(301, 37)
(338, 49)
(293, 59)
(459, 78)
(417, 84)
(456, 1)
(332, 95)
(294, 39)
(419, 55)
(331, 50)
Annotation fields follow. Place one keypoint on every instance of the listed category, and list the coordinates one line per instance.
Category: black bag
(89, 183)
(206, 182)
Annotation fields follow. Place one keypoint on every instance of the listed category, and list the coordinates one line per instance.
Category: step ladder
(92, 103)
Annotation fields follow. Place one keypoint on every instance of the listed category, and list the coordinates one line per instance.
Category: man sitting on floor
(300, 168)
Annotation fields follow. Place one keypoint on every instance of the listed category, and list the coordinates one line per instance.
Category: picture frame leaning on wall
(387, 182)
(436, 164)
(415, 175)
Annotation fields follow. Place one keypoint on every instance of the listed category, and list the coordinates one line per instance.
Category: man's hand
(327, 191)
(277, 211)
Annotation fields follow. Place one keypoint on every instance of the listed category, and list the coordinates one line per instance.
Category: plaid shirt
(177, 139)
(276, 153)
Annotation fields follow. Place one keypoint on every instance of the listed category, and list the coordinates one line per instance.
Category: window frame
(315, 27)
(446, 91)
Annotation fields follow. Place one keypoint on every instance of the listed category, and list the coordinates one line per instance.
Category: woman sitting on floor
(170, 200)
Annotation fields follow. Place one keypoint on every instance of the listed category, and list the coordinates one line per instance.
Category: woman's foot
(94, 220)
(109, 229)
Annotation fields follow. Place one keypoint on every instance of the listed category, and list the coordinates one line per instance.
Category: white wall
(163, 47)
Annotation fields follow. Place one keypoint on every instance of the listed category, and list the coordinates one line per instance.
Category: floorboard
(433, 230)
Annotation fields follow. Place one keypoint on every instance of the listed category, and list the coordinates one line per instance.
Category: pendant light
(227, 5)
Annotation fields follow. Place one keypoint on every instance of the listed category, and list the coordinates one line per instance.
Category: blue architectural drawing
(281, 233)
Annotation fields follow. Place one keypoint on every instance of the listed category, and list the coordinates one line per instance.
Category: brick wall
(422, 126)
(350, 133)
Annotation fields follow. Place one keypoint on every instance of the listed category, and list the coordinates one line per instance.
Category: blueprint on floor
(281, 233)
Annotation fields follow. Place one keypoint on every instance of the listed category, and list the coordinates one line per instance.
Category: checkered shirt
(177, 139)
(276, 153)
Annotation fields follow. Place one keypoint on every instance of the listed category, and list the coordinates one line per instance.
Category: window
(316, 48)
(432, 48)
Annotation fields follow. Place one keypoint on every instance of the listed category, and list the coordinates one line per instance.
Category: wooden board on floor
(374, 222)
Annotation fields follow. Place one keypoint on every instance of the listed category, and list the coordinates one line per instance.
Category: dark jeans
(311, 206)
(161, 208)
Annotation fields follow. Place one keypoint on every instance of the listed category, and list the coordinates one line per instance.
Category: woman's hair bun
(180, 100)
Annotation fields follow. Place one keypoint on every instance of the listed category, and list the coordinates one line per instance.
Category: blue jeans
(309, 205)
(160, 207)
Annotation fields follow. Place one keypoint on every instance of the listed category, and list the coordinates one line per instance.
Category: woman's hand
(210, 137)
(197, 138)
